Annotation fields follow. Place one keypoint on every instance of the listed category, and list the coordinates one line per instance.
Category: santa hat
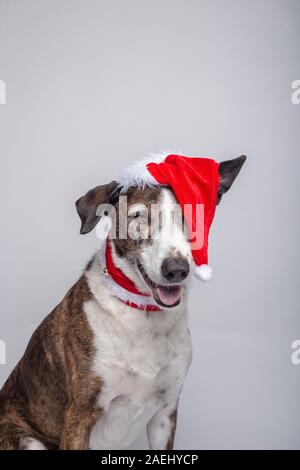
(193, 181)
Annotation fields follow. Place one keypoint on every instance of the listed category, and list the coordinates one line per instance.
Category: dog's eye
(142, 216)
(139, 216)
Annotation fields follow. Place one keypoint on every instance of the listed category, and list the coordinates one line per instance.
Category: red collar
(120, 278)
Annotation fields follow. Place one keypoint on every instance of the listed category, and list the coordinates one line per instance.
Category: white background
(92, 86)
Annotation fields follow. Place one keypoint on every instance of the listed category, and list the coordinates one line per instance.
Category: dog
(102, 366)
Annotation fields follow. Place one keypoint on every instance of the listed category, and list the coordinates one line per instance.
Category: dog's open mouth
(165, 295)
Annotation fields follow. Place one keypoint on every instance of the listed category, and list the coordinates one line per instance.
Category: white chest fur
(141, 359)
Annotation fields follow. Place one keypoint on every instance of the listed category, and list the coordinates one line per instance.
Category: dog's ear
(228, 171)
(87, 205)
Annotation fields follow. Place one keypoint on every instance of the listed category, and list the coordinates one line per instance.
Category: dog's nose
(175, 269)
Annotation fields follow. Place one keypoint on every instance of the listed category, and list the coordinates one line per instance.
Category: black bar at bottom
(134, 459)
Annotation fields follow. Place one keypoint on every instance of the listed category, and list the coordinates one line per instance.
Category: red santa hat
(193, 181)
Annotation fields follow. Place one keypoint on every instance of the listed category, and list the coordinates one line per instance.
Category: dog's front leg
(78, 424)
(162, 427)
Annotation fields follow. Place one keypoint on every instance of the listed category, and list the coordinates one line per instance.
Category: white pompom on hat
(203, 272)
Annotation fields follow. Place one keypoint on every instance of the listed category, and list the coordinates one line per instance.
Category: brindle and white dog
(96, 371)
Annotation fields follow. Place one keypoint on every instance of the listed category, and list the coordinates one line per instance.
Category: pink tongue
(169, 297)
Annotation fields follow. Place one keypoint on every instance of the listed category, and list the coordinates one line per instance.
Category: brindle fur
(51, 393)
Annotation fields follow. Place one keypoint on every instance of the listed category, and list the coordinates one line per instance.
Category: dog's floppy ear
(87, 205)
(228, 171)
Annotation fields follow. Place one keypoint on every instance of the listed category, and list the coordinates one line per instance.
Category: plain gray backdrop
(93, 85)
